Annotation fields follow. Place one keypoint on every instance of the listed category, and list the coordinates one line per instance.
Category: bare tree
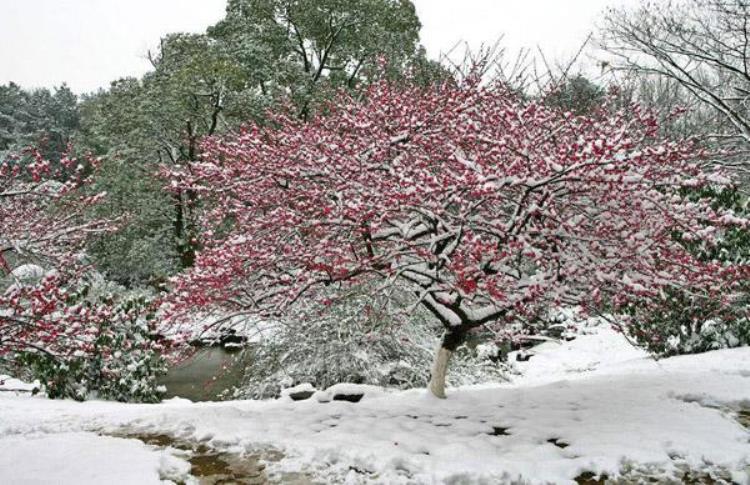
(692, 50)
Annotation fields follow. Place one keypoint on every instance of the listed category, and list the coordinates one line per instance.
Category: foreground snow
(72, 458)
(591, 405)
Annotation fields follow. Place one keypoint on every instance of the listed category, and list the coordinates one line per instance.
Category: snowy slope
(595, 404)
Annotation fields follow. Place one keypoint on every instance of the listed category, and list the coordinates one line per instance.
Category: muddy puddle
(642, 476)
(214, 467)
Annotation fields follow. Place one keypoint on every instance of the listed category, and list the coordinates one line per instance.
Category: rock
(231, 340)
(28, 273)
(301, 395)
(299, 392)
(558, 442)
(523, 356)
(349, 392)
(348, 397)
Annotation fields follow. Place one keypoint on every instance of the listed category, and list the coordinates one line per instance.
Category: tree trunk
(439, 370)
(451, 341)
(182, 236)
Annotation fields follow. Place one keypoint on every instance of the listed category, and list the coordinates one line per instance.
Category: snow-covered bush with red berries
(52, 327)
(488, 207)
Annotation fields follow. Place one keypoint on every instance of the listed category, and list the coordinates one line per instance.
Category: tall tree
(577, 95)
(115, 125)
(46, 120)
(308, 46)
(192, 93)
(487, 206)
(262, 53)
(195, 90)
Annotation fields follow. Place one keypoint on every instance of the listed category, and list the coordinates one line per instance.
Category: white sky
(89, 43)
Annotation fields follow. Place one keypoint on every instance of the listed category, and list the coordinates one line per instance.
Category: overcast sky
(88, 43)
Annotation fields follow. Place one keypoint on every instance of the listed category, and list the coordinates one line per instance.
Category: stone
(348, 397)
(301, 395)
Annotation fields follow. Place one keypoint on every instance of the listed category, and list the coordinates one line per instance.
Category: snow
(8, 384)
(252, 329)
(28, 273)
(305, 387)
(85, 458)
(593, 352)
(346, 389)
(593, 404)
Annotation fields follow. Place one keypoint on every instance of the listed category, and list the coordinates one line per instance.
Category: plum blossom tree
(48, 322)
(486, 206)
(42, 212)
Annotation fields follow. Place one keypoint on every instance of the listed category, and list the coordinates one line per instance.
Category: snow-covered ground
(595, 404)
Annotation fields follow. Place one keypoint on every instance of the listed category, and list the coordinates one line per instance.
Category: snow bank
(8, 383)
(85, 458)
(595, 350)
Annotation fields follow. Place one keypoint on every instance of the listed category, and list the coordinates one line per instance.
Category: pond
(206, 374)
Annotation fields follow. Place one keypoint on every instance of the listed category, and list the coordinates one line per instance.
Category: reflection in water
(205, 375)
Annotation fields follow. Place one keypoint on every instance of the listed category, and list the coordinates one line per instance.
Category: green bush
(689, 324)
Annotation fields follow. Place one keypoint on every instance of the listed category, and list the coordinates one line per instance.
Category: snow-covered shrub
(362, 337)
(688, 325)
(58, 323)
(110, 352)
(26, 274)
